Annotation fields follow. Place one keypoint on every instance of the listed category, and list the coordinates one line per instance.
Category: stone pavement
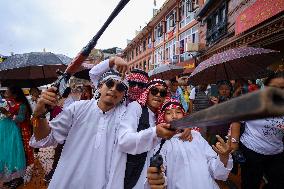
(43, 164)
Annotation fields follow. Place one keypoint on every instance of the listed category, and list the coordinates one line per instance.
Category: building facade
(171, 37)
(227, 24)
(186, 32)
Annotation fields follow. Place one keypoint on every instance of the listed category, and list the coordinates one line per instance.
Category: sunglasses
(138, 84)
(120, 87)
(154, 91)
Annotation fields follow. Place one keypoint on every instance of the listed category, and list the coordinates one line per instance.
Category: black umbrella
(32, 69)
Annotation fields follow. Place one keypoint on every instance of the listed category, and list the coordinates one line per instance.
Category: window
(144, 45)
(159, 56)
(216, 24)
(144, 65)
(194, 34)
(150, 62)
(171, 21)
(170, 50)
(189, 36)
(186, 12)
(137, 50)
(149, 42)
(159, 33)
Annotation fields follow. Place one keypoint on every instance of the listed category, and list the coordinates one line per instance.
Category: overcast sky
(65, 26)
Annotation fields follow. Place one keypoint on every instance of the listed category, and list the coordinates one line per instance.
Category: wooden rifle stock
(268, 102)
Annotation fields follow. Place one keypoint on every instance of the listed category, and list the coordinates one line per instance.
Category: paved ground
(43, 163)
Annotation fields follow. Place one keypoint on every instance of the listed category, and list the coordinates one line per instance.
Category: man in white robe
(190, 164)
(129, 140)
(90, 157)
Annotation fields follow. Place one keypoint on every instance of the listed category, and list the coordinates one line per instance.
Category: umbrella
(238, 63)
(166, 72)
(83, 72)
(32, 69)
(261, 74)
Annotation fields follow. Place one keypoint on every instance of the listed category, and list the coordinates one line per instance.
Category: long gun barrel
(264, 103)
(61, 82)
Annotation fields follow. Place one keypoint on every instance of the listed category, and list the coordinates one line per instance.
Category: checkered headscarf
(153, 83)
(113, 75)
(167, 105)
(138, 76)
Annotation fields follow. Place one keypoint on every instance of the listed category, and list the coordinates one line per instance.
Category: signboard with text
(258, 12)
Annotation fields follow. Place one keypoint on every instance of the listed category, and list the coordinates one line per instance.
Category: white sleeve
(163, 153)
(129, 140)
(98, 70)
(60, 127)
(192, 94)
(216, 167)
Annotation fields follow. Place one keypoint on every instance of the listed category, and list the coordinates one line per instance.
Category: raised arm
(114, 62)
(220, 162)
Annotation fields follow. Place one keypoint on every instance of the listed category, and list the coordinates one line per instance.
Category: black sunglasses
(138, 84)
(154, 91)
(120, 87)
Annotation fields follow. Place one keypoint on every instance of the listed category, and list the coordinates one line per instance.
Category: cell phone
(214, 90)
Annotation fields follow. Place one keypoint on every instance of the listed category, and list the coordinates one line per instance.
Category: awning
(188, 65)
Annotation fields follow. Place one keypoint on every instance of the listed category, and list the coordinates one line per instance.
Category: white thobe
(192, 164)
(68, 101)
(132, 142)
(90, 157)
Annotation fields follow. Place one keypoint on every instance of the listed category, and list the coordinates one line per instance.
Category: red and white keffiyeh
(167, 105)
(153, 83)
(137, 77)
(135, 92)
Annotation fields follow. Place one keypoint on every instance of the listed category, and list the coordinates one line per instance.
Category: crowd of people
(16, 155)
(105, 139)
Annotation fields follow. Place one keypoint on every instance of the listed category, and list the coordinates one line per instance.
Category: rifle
(62, 80)
(264, 103)
(268, 102)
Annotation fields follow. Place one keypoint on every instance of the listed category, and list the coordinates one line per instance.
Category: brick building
(171, 36)
(186, 32)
